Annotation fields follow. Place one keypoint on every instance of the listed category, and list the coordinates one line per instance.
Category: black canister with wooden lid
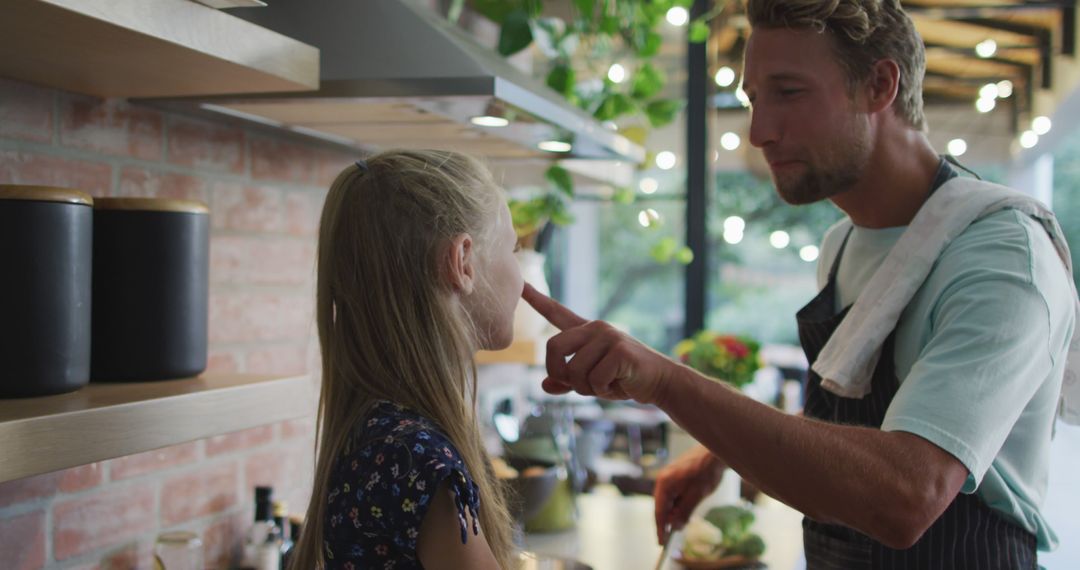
(151, 287)
(45, 265)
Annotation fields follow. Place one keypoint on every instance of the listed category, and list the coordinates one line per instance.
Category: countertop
(618, 533)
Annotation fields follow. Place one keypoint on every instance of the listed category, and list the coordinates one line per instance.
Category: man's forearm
(876, 482)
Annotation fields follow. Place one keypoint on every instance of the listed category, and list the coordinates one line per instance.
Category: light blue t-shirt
(979, 353)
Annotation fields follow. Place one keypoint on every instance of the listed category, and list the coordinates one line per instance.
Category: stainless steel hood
(396, 74)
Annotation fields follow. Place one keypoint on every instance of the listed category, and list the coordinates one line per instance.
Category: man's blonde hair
(864, 32)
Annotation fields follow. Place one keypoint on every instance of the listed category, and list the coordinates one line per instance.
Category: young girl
(416, 272)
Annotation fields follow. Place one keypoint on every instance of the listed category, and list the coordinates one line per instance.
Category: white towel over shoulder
(847, 361)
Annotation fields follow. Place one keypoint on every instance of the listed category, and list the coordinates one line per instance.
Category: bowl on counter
(531, 485)
(531, 561)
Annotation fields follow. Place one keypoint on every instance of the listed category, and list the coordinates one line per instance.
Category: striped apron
(968, 534)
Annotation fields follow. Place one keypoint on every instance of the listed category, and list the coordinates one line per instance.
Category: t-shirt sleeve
(987, 354)
(404, 474)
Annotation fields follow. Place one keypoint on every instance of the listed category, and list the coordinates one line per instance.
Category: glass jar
(178, 550)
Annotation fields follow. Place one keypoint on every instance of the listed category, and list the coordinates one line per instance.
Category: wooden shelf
(107, 420)
(520, 352)
(148, 48)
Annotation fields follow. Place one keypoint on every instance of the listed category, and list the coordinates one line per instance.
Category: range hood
(396, 74)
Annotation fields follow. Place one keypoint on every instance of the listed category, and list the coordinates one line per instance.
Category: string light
(725, 76)
(666, 160)
(809, 253)
(1041, 125)
(957, 147)
(678, 16)
(986, 48)
(730, 141)
(779, 239)
(616, 73)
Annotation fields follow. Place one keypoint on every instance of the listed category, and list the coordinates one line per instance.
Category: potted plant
(729, 358)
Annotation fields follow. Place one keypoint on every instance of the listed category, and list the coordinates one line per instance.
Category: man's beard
(835, 171)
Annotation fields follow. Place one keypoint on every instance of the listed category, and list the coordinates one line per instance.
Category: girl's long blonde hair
(388, 328)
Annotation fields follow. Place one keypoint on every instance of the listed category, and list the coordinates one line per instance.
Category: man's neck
(894, 184)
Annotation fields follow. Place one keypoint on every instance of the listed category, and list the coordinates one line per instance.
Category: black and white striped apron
(968, 535)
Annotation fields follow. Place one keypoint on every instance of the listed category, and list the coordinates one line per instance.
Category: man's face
(813, 134)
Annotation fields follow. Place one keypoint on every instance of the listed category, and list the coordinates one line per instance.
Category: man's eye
(790, 92)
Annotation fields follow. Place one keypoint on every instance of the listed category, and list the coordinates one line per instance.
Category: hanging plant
(597, 34)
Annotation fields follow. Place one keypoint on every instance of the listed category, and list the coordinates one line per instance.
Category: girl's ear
(461, 264)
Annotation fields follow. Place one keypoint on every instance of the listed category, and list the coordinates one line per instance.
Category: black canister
(45, 263)
(151, 286)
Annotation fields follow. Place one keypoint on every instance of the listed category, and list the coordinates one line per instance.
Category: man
(941, 459)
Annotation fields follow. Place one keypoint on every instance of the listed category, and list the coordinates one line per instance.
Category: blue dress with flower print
(381, 489)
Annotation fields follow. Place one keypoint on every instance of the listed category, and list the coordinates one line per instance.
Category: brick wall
(265, 193)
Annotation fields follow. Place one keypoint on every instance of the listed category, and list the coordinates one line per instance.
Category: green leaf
(663, 111)
(699, 31)
(586, 8)
(561, 79)
(562, 218)
(613, 106)
(662, 250)
(650, 45)
(623, 195)
(494, 10)
(560, 177)
(516, 34)
(454, 14)
(648, 81)
(684, 256)
(609, 24)
(636, 134)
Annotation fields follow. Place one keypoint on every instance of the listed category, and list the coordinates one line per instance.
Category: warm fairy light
(957, 147)
(678, 16)
(809, 253)
(730, 141)
(725, 76)
(779, 239)
(616, 73)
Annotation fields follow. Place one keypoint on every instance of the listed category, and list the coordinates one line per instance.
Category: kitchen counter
(618, 533)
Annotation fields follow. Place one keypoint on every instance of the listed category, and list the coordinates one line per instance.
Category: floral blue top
(381, 489)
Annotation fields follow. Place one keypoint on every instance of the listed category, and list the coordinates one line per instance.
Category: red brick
(29, 488)
(259, 261)
(204, 492)
(110, 126)
(223, 541)
(134, 555)
(222, 362)
(151, 461)
(80, 478)
(26, 111)
(330, 165)
(245, 316)
(206, 146)
(298, 429)
(22, 541)
(302, 212)
(266, 468)
(277, 360)
(26, 168)
(103, 519)
(280, 160)
(142, 183)
(243, 439)
(250, 208)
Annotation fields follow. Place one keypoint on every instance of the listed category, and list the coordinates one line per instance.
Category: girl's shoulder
(382, 487)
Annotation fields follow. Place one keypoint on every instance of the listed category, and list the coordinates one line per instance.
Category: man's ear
(460, 264)
(883, 85)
